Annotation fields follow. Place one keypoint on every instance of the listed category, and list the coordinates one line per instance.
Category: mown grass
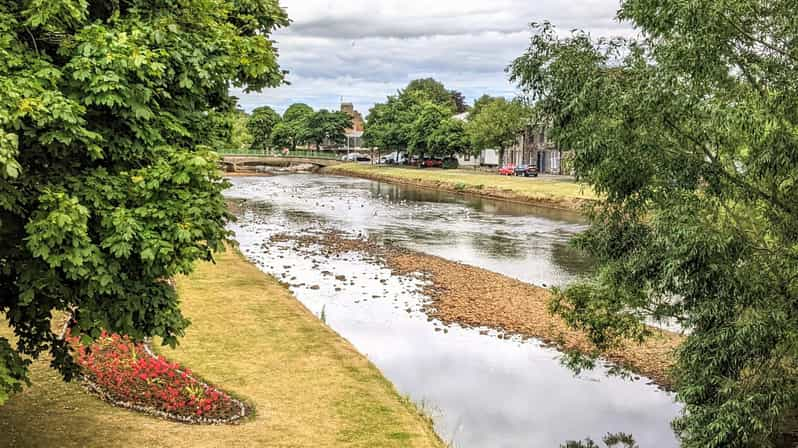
(251, 337)
(544, 189)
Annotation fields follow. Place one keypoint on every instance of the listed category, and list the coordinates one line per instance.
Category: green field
(251, 337)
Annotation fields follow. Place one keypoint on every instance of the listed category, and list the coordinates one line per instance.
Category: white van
(394, 158)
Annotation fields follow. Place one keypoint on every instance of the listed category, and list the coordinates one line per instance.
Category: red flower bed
(130, 376)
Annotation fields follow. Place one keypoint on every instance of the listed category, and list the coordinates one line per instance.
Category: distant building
(354, 135)
(533, 147)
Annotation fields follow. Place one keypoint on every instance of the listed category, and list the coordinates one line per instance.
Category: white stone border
(92, 387)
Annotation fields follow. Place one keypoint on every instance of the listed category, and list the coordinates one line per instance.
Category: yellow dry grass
(250, 336)
(556, 192)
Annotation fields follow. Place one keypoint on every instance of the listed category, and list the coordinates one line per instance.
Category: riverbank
(474, 297)
(250, 336)
(543, 191)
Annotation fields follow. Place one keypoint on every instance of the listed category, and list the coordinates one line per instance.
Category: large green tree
(109, 186)
(498, 125)
(298, 112)
(331, 126)
(449, 138)
(240, 137)
(690, 137)
(389, 125)
(432, 90)
(260, 125)
(294, 129)
(481, 102)
(420, 131)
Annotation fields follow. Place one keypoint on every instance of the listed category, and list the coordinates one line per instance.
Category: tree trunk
(501, 157)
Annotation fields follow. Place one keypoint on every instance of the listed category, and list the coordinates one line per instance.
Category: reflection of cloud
(364, 50)
(503, 393)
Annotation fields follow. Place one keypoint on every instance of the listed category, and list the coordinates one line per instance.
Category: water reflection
(521, 241)
(498, 245)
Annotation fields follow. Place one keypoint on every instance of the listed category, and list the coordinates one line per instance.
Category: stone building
(534, 147)
(354, 135)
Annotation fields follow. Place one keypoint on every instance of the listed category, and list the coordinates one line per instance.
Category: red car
(431, 163)
(507, 170)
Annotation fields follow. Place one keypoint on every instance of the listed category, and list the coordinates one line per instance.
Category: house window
(467, 157)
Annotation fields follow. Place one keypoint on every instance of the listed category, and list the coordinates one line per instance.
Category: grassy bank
(544, 191)
(251, 337)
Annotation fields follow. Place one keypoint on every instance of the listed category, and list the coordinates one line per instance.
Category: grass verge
(556, 192)
(252, 338)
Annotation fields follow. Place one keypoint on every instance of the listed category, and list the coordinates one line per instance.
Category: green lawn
(545, 189)
(251, 337)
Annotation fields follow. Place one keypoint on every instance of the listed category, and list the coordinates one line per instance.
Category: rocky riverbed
(474, 297)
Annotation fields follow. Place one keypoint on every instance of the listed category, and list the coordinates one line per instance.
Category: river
(482, 390)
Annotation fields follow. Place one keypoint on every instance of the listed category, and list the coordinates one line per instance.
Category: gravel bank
(475, 297)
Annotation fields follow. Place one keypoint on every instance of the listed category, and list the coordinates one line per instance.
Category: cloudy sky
(364, 50)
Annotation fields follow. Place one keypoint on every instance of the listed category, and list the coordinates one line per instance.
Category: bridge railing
(305, 154)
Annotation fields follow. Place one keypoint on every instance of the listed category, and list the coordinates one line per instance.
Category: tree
(295, 129)
(260, 125)
(109, 185)
(298, 112)
(325, 125)
(448, 138)
(283, 135)
(429, 90)
(389, 125)
(381, 130)
(239, 134)
(481, 102)
(619, 440)
(459, 100)
(421, 130)
(689, 137)
(497, 126)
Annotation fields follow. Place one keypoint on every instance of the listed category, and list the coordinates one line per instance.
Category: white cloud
(365, 50)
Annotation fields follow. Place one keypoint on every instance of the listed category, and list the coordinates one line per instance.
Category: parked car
(394, 158)
(526, 171)
(431, 163)
(355, 157)
(507, 170)
(451, 163)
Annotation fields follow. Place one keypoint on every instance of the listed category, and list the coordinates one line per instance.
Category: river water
(482, 390)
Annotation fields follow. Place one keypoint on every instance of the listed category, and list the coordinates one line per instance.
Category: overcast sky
(364, 50)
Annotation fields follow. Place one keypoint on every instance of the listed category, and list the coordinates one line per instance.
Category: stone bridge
(248, 163)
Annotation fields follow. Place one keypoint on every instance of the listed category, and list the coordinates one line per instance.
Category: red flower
(144, 379)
